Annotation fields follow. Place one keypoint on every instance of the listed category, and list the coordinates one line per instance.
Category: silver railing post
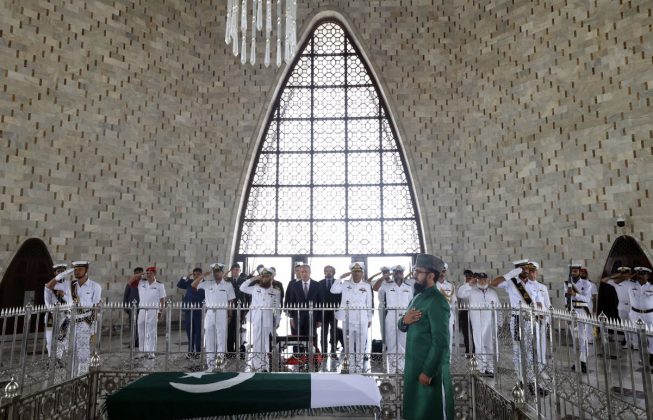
(12, 394)
(54, 341)
(98, 329)
(607, 367)
(579, 371)
(522, 350)
(168, 307)
(346, 361)
(275, 346)
(238, 326)
(311, 325)
(132, 331)
(646, 368)
(23, 347)
(203, 347)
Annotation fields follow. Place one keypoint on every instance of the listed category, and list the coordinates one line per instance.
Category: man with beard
(262, 320)
(428, 390)
(220, 296)
(86, 294)
(357, 296)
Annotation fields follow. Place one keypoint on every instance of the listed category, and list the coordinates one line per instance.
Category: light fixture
(241, 13)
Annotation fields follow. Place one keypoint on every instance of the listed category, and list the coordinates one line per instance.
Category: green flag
(176, 395)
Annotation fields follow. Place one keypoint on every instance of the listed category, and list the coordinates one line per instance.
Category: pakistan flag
(176, 395)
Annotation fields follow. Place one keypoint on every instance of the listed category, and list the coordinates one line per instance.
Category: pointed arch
(24, 278)
(329, 176)
(627, 252)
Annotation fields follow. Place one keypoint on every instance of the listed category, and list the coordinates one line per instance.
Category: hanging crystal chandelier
(238, 17)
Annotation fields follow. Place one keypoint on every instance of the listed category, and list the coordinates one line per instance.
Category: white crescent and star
(211, 386)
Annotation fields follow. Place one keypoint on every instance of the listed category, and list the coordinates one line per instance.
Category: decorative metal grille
(330, 178)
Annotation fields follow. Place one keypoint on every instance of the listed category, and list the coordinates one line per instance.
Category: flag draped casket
(177, 395)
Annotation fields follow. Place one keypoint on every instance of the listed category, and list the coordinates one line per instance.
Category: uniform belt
(83, 317)
(578, 304)
(642, 311)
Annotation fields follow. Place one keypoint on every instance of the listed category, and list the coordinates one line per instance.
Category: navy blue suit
(192, 317)
(296, 297)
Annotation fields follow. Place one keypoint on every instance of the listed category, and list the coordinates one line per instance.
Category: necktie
(306, 289)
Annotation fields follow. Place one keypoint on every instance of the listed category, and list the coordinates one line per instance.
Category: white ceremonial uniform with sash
(86, 296)
(581, 304)
(51, 299)
(521, 295)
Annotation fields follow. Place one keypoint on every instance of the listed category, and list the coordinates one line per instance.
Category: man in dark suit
(330, 328)
(299, 294)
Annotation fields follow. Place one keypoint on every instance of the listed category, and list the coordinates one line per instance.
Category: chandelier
(241, 19)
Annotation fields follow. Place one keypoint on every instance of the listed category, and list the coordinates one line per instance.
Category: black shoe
(573, 368)
(488, 374)
(583, 367)
(650, 360)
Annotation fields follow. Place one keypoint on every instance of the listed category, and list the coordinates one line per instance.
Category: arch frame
(312, 22)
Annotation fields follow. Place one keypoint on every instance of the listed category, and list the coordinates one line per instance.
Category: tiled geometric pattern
(127, 128)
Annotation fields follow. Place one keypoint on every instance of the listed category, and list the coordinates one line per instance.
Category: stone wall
(128, 128)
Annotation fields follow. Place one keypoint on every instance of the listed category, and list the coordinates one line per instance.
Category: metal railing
(540, 374)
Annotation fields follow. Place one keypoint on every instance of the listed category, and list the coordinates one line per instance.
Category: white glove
(512, 273)
(61, 276)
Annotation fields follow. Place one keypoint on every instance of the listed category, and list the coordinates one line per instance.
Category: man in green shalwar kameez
(428, 391)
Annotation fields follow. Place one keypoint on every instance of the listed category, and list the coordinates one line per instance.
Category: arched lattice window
(330, 177)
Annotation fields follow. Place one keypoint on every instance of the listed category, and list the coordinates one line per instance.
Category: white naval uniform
(89, 295)
(542, 323)
(641, 307)
(150, 296)
(217, 297)
(623, 307)
(448, 290)
(50, 299)
(516, 302)
(581, 303)
(623, 294)
(262, 320)
(483, 332)
(396, 299)
(359, 298)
